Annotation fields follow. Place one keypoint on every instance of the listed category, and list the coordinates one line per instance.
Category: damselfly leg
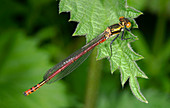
(111, 44)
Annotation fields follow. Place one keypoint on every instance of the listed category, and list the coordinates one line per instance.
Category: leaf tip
(123, 85)
(136, 38)
(146, 77)
(141, 13)
(146, 101)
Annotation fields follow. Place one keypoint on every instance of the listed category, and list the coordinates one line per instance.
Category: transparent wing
(72, 66)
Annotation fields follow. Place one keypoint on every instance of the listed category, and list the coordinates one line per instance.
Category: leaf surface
(93, 17)
(21, 67)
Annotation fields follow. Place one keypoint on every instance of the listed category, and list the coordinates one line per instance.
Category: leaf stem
(93, 81)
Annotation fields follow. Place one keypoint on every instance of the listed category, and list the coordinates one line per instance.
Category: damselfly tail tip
(25, 94)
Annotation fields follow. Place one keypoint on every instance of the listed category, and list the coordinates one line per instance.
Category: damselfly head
(125, 22)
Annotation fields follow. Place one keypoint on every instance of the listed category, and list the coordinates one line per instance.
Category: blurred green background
(34, 37)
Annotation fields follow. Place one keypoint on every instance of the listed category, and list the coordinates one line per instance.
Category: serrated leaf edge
(138, 89)
(126, 6)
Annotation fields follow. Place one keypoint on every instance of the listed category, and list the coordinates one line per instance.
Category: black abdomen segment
(33, 89)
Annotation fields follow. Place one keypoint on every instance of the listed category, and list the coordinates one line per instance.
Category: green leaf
(94, 16)
(22, 66)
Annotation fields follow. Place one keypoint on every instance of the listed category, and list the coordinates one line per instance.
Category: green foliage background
(34, 37)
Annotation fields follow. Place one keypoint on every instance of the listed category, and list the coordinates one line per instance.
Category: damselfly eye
(128, 25)
(121, 18)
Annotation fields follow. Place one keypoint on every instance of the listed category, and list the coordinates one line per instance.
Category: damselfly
(74, 60)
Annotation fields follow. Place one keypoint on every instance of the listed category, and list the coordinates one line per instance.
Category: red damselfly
(74, 60)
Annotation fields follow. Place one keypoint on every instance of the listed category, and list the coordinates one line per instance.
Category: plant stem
(160, 27)
(93, 81)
